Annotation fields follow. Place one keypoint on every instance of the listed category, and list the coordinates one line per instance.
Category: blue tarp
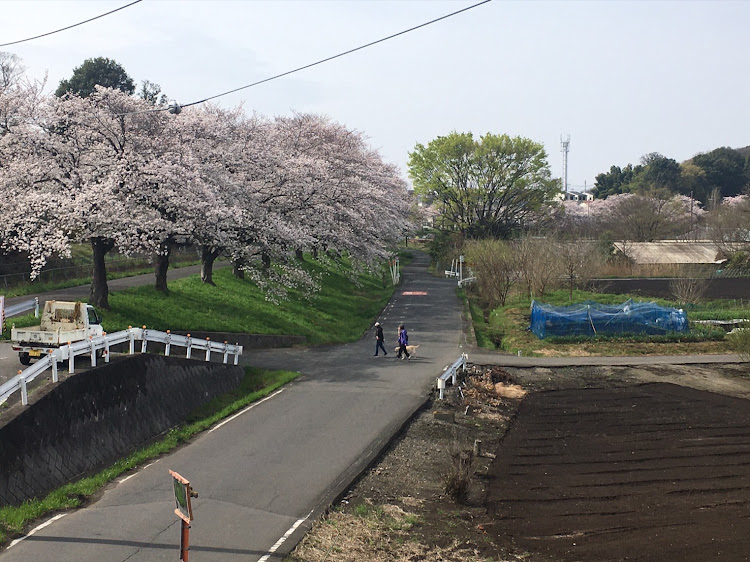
(591, 318)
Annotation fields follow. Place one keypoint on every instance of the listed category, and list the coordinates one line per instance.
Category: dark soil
(600, 463)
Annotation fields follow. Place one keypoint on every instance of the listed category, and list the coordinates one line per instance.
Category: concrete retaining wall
(96, 417)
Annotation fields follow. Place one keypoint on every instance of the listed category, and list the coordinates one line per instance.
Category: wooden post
(184, 541)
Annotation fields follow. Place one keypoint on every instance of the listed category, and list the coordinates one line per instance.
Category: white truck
(62, 323)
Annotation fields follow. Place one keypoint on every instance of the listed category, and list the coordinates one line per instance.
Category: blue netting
(591, 318)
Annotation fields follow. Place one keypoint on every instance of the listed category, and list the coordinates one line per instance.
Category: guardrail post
(71, 361)
(144, 340)
(36, 307)
(132, 340)
(226, 353)
(24, 392)
(441, 387)
(208, 349)
(237, 351)
(106, 349)
(189, 349)
(168, 344)
(53, 358)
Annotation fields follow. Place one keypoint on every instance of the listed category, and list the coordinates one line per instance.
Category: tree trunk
(237, 270)
(298, 254)
(208, 257)
(315, 252)
(266, 259)
(162, 265)
(99, 296)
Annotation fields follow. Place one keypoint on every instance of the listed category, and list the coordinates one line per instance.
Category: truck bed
(34, 335)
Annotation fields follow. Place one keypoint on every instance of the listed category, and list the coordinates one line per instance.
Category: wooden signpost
(184, 510)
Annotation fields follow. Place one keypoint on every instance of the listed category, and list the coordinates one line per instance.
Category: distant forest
(722, 172)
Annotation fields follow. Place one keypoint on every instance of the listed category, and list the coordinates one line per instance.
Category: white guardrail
(100, 346)
(21, 307)
(451, 373)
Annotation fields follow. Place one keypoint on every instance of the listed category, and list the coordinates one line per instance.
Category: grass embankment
(340, 312)
(507, 326)
(256, 384)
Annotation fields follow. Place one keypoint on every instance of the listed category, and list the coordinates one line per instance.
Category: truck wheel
(24, 358)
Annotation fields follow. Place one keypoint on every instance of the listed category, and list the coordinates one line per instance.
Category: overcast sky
(621, 78)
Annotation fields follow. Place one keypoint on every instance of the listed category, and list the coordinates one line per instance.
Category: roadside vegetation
(340, 311)
(507, 275)
(256, 384)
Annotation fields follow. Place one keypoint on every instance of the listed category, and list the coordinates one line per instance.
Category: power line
(70, 26)
(321, 61)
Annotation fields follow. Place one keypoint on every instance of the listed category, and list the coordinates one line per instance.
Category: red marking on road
(414, 293)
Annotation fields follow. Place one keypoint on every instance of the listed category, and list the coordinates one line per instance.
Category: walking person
(379, 339)
(403, 341)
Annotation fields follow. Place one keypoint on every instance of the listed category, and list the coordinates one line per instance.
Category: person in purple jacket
(403, 341)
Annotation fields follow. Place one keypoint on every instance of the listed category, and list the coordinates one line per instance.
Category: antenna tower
(564, 147)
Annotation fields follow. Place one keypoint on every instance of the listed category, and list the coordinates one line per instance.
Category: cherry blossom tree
(117, 171)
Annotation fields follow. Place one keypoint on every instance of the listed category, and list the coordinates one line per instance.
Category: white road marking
(39, 528)
(283, 539)
(250, 407)
(137, 470)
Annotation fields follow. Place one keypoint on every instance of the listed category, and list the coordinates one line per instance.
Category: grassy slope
(340, 312)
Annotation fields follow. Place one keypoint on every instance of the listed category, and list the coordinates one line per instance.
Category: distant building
(578, 196)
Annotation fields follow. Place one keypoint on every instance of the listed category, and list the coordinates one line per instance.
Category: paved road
(265, 475)
(82, 292)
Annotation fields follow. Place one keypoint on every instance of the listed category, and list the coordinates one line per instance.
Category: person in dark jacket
(379, 339)
(403, 341)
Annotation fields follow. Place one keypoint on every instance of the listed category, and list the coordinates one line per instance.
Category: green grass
(507, 328)
(340, 312)
(256, 384)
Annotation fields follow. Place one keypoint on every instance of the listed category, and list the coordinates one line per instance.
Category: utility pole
(564, 147)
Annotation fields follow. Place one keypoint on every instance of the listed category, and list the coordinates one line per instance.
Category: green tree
(725, 169)
(485, 188)
(616, 181)
(659, 172)
(100, 71)
(150, 92)
(693, 182)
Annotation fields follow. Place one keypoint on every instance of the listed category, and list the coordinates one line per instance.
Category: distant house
(578, 196)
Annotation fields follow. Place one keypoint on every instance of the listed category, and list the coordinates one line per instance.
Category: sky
(622, 79)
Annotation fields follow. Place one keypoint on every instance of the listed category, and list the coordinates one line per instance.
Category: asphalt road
(263, 476)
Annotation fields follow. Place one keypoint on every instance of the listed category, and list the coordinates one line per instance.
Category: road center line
(250, 407)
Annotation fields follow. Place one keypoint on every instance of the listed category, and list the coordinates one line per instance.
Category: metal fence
(451, 373)
(100, 346)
